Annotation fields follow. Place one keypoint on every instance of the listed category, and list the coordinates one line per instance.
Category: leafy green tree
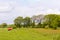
(18, 21)
(54, 23)
(27, 22)
(33, 24)
(58, 20)
(52, 20)
(39, 25)
(3, 25)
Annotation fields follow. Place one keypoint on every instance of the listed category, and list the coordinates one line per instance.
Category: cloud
(6, 7)
(27, 8)
(53, 11)
(28, 11)
(6, 18)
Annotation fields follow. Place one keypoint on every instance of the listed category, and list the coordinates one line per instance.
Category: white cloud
(27, 8)
(6, 7)
(53, 11)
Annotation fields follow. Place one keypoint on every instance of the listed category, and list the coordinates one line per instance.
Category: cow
(9, 28)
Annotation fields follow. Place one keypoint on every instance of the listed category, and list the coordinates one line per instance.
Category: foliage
(18, 21)
(52, 20)
(33, 24)
(47, 26)
(39, 25)
(12, 25)
(27, 22)
(3, 25)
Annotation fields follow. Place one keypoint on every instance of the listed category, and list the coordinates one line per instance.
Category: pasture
(29, 34)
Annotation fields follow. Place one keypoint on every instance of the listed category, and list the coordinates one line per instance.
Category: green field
(29, 34)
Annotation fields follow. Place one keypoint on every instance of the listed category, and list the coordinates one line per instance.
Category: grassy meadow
(29, 34)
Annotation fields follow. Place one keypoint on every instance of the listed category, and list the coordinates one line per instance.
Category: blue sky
(10, 9)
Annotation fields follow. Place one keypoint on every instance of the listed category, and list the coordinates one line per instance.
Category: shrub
(3, 25)
(47, 26)
(11, 25)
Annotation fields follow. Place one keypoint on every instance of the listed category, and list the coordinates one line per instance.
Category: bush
(47, 26)
(3, 25)
(11, 25)
(55, 28)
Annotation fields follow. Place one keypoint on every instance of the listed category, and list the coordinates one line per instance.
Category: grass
(29, 34)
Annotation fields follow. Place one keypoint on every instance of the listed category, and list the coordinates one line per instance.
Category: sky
(10, 9)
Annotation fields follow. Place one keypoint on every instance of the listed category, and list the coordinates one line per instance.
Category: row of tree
(49, 21)
(22, 22)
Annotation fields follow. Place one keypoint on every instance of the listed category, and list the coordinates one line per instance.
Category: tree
(52, 20)
(3, 25)
(33, 24)
(54, 23)
(27, 22)
(18, 21)
(39, 25)
(58, 20)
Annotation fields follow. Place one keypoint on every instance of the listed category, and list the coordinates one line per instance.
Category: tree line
(48, 21)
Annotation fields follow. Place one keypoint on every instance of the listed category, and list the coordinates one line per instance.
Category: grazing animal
(9, 28)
